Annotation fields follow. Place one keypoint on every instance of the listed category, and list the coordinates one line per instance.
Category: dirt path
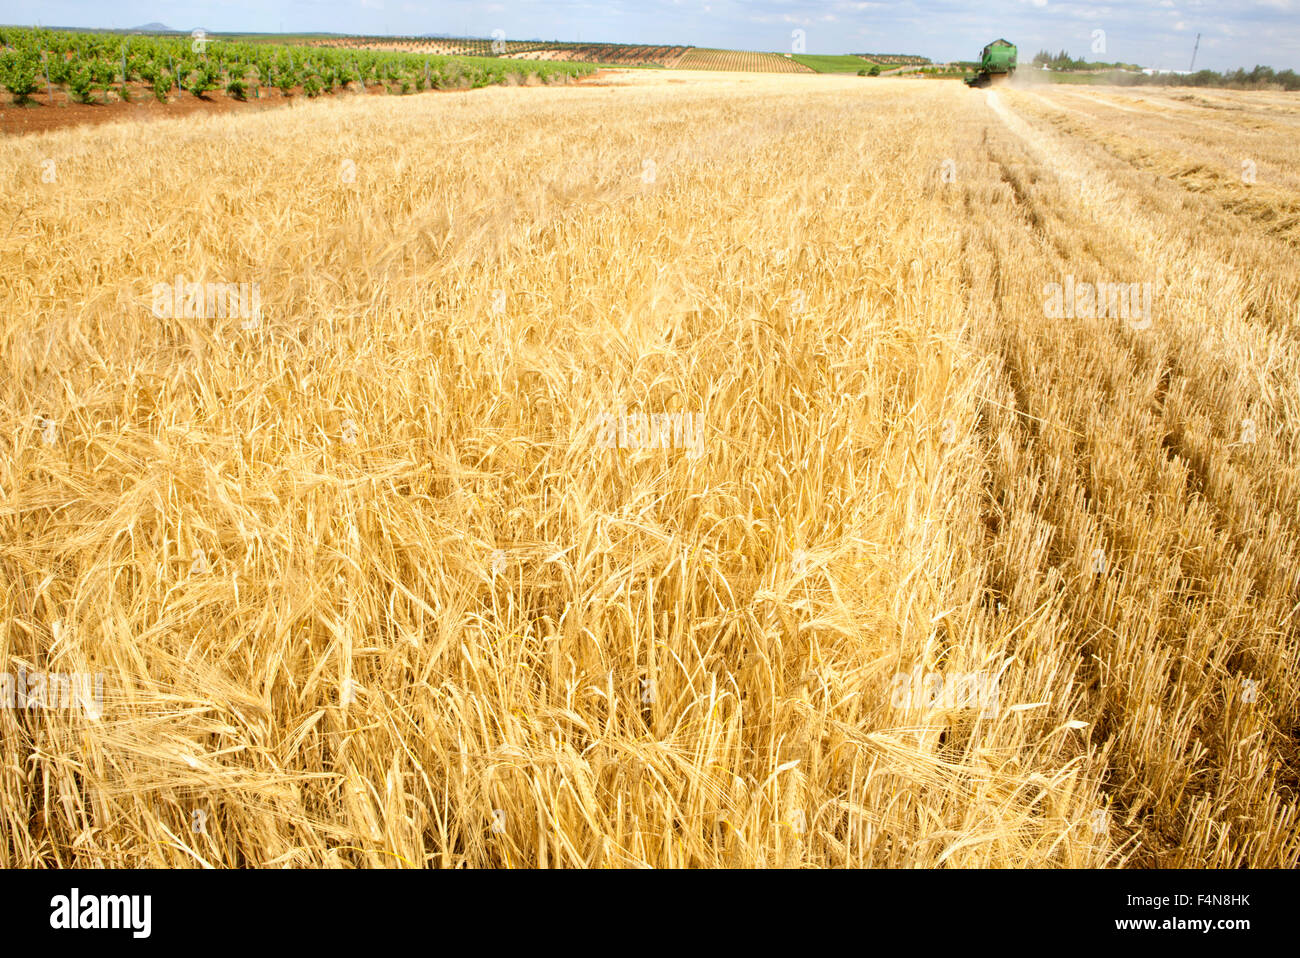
(41, 115)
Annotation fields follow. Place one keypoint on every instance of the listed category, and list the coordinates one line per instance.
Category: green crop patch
(85, 64)
(847, 63)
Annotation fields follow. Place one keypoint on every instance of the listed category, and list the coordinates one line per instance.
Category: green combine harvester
(997, 63)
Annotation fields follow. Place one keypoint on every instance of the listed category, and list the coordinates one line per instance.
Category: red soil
(40, 115)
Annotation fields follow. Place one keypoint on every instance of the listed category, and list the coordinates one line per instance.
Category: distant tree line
(1129, 74)
(1260, 78)
(1063, 61)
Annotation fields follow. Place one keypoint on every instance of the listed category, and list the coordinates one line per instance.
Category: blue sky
(1151, 32)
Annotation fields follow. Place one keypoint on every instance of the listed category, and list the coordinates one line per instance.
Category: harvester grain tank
(997, 63)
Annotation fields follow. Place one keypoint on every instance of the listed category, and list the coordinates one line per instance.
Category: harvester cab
(997, 63)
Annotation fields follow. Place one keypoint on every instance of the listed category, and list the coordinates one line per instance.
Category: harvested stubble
(678, 661)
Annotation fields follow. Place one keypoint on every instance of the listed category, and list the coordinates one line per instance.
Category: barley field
(914, 561)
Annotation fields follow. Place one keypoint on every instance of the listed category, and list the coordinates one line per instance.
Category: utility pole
(1194, 49)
